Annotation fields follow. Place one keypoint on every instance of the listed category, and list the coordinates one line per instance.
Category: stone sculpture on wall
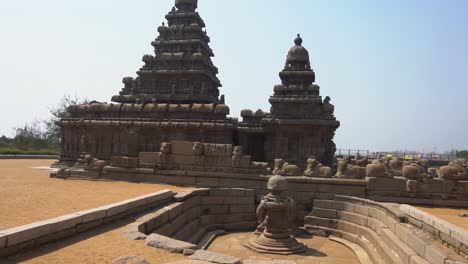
(316, 169)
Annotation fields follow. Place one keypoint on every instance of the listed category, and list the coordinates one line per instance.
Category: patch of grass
(13, 151)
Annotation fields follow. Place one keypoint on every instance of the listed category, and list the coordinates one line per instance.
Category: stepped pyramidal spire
(181, 70)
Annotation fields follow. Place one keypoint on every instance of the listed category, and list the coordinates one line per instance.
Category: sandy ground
(450, 215)
(101, 246)
(28, 195)
(321, 250)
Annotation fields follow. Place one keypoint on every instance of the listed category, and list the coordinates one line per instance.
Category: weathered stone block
(317, 221)
(435, 255)
(80, 228)
(117, 208)
(417, 243)
(25, 233)
(93, 214)
(325, 204)
(223, 192)
(180, 180)
(324, 213)
(56, 236)
(3, 239)
(417, 260)
(192, 202)
(402, 232)
(153, 220)
(207, 182)
(209, 256)
(165, 230)
(168, 244)
(342, 189)
(149, 157)
(375, 225)
(347, 227)
(215, 209)
(402, 250)
(241, 226)
(235, 218)
(182, 148)
(174, 209)
(130, 260)
(361, 210)
(212, 200)
(63, 222)
(236, 209)
(459, 234)
(239, 200)
(352, 217)
(124, 162)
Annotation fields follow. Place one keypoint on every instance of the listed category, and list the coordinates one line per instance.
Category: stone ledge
(32, 234)
(438, 224)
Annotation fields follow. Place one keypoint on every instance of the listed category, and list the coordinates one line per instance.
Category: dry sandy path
(100, 246)
(450, 215)
(28, 195)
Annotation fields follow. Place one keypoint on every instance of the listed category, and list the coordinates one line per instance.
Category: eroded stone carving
(276, 214)
(317, 170)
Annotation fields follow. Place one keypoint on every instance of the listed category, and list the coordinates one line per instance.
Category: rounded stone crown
(298, 54)
(186, 5)
(277, 183)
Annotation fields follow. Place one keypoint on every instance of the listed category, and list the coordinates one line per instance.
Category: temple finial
(298, 40)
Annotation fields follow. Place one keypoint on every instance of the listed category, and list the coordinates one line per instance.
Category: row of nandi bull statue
(362, 167)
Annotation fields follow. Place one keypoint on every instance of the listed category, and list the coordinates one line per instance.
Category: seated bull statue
(454, 171)
(285, 169)
(236, 157)
(378, 170)
(316, 169)
(414, 171)
(362, 162)
(348, 171)
(92, 164)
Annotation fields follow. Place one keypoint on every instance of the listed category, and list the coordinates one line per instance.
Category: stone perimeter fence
(29, 236)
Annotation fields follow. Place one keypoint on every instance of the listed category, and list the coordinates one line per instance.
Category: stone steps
(379, 230)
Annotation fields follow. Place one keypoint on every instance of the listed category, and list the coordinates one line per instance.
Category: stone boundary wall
(305, 189)
(197, 212)
(382, 230)
(302, 189)
(25, 237)
(44, 157)
(451, 235)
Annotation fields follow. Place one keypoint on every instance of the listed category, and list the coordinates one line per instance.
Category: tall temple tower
(181, 71)
(174, 97)
(301, 124)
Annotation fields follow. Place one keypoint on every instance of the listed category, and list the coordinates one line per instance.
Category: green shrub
(13, 151)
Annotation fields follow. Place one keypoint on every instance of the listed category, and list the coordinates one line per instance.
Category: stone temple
(176, 97)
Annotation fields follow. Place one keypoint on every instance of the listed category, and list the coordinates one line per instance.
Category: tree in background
(52, 127)
(41, 135)
(462, 154)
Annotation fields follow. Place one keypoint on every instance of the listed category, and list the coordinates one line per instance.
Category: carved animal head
(88, 159)
(312, 163)
(279, 164)
(165, 148)
(198, 148)
(237, 151)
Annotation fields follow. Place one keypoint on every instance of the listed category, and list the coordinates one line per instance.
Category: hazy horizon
(396, 71)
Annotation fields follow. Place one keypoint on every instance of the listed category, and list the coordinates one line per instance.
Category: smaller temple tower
(301, 123)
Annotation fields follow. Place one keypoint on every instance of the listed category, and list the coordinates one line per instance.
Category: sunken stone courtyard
(182, 182)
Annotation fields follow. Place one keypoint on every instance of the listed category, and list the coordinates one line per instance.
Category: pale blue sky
(396, 70)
